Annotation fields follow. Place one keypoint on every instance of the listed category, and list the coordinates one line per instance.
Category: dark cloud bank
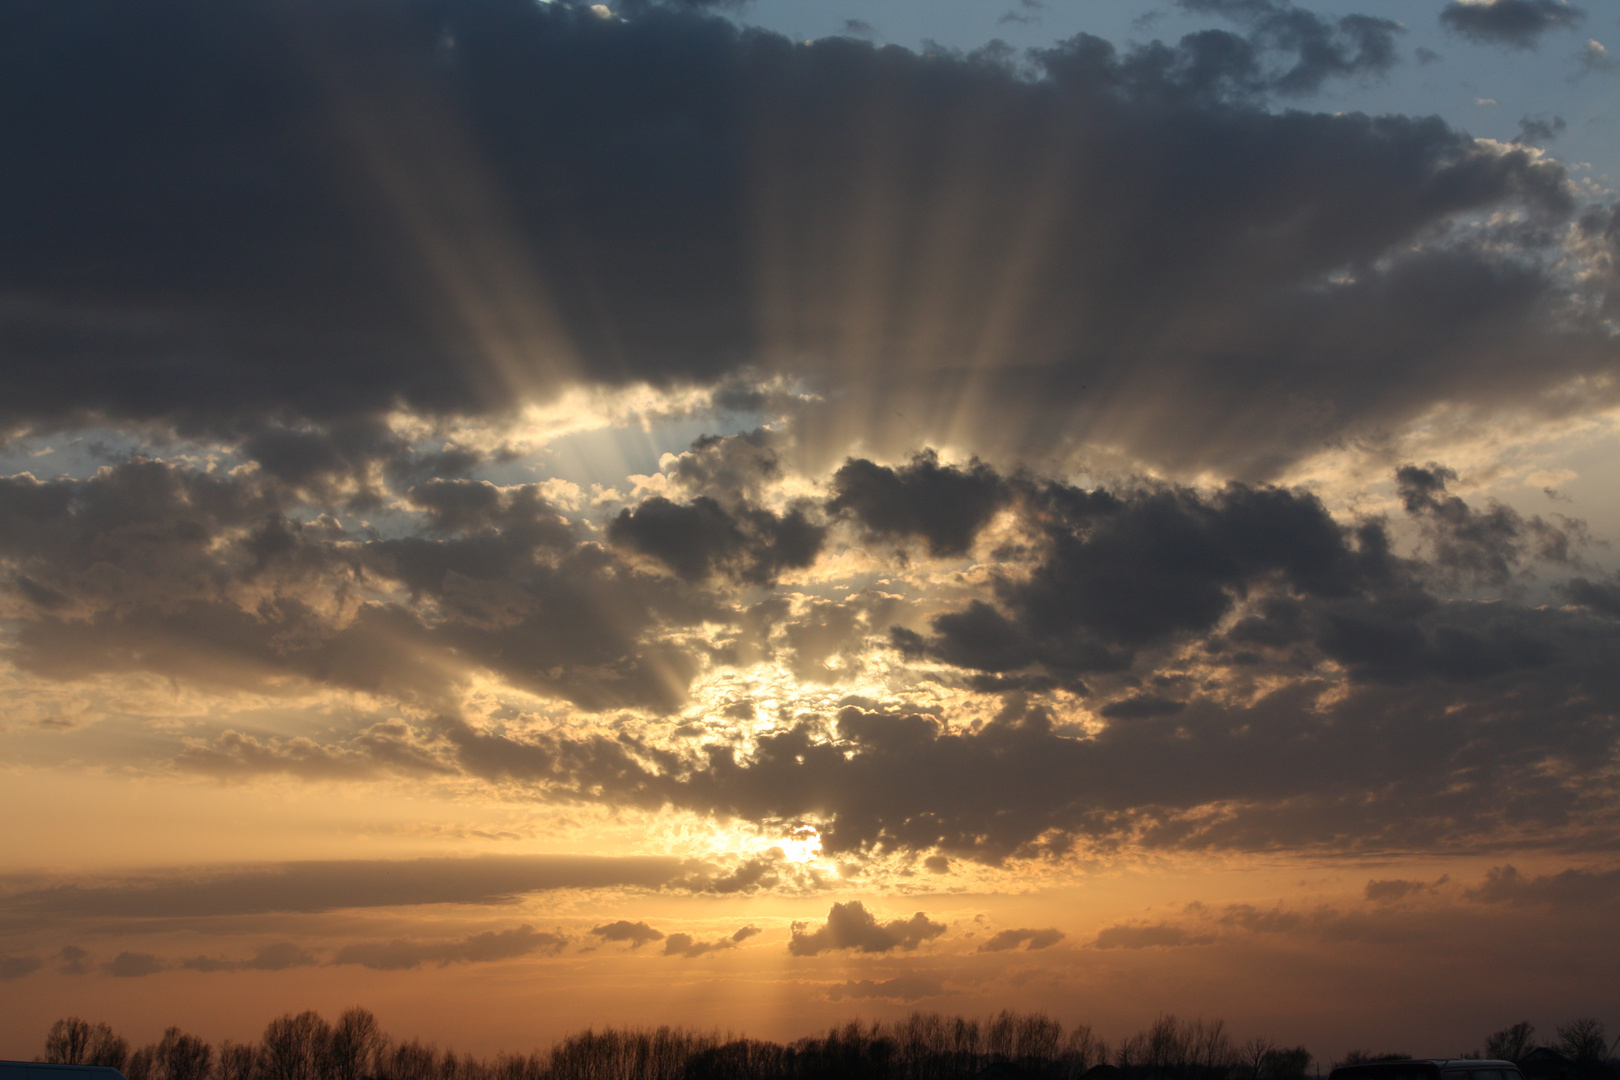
(310, 887)
(1242, 647)
(1562, 912)
(491, 945)
(444, 203)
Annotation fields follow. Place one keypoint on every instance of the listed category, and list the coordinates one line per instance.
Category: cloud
(1595, 57)
(734, 469)
(1320, 48)
(1130, 569)
(1275, 920)
(1432, 920)
(1600, 596)
(700, 539)
(381, 748)
(1147, 936)
(134, 965)
(1336, 730)
(15, 967)
(410, 244)
(1390, 890)
(1572, 888)
(1029, 939)
(1479, 546)
(276, 957)
(492, 945)
(1141, 706)
(748, 876)
(636, 933)
(1515, 23)
(308, 887)
(1185, 275)
(226, 578)
(911, 986)
(1535, 130)
(1123, 572)
(156, 566)
(687, 946)
(851, 926)
(249, 289)
(945, 506)
(72, 960)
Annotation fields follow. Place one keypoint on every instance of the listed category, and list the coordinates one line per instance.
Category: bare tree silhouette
(1511, 1043)
(923, 1046)
(1584, 1043)
(295, 1047)
(352, 1047)
(75, 1042)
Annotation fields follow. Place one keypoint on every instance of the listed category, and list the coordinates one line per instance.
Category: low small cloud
(134, 965)
(72, 960)
(1595, 57)
(1602, 597)
(1390, 890)
(278, 957)
(1142, 707)
(1275, 920)
(751, 875)
(937, 864)
(1534, 130)
(636, 933)
(1148, 936)
(1571, 888)
(688, 946)
(908, 987)
(1025, 12)
(1029, 939)
(400, 955)
(15, 967)
(858, 28)
(851, 926)
(389, 747)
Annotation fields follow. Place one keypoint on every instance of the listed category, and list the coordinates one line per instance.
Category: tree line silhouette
(924, 1046)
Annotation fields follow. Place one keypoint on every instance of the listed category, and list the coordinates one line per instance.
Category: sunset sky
(524, 515)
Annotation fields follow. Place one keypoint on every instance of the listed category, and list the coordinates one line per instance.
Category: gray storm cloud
(1127, 246)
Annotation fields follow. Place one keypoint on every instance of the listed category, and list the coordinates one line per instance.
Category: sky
(530, 515)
